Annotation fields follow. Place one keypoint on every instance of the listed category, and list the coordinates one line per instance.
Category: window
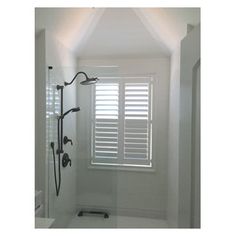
(122, 122)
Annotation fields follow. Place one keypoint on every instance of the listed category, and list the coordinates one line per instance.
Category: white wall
(190, 56)
(181, 116)
(64, 67)
(173, 142)
(40, 113)
(195, 165)
(139, 193)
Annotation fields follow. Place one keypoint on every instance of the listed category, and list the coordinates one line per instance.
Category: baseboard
(125, 211)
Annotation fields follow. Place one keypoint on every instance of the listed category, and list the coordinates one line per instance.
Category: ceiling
(117, 32)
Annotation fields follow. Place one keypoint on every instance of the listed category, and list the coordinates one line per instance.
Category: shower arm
(80, 72)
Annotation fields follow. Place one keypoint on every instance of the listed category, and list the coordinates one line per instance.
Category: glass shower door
(62, 207)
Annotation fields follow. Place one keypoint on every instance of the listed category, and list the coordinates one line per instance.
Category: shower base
(116, 222)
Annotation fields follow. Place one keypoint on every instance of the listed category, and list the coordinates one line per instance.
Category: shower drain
(83, 212)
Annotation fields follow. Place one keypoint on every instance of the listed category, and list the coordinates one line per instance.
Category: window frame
(120, 165)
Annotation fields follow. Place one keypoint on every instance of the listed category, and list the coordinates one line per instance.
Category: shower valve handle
(66, 140)
(66, 160)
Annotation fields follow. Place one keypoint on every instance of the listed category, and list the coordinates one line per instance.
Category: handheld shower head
(71, 110)
(75, 109)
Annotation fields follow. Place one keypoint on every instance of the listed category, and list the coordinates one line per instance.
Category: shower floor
(116, 222)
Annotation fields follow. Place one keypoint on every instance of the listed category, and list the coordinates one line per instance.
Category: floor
(116, 222)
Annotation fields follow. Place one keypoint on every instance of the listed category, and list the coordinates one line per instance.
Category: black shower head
(71, 110)
(88, 80)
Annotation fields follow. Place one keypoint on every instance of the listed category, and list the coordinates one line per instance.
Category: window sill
(120, 168)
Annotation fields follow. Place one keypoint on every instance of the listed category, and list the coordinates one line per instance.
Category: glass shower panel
(62, 208)
(83, 187)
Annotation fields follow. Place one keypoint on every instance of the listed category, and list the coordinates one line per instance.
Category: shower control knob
(66, 160)
(66, 140)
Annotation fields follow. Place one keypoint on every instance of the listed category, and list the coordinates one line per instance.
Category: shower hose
(59, 160)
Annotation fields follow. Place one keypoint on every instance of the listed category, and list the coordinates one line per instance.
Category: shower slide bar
(105, 214)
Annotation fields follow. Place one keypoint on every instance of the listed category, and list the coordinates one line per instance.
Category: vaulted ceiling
(118, 32)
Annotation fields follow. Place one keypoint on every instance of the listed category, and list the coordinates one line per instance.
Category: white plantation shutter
(106, 122)
(122, 122)
(136, 123)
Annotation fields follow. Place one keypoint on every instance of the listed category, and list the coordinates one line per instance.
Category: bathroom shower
(64, 140)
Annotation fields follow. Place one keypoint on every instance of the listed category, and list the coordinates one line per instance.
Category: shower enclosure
(124, 196)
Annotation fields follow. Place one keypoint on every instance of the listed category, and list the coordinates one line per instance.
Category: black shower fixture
(87, 81)
(71, 110)
(60, 139)
(67, 140)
